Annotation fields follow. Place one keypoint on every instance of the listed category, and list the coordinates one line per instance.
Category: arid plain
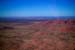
(38, 35)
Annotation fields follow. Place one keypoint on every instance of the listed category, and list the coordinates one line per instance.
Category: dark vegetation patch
(74, 48)
(6, 27)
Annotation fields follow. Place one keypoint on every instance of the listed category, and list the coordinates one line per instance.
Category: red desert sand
(38, 35)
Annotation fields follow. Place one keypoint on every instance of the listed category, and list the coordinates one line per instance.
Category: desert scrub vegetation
(43, 35)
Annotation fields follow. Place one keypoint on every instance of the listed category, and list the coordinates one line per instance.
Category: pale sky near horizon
(37, 8)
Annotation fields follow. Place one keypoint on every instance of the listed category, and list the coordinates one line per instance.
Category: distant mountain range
(36, 18)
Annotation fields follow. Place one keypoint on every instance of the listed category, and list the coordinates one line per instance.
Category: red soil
(48, 35)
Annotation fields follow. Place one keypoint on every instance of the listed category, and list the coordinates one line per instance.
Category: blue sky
(37, 8)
